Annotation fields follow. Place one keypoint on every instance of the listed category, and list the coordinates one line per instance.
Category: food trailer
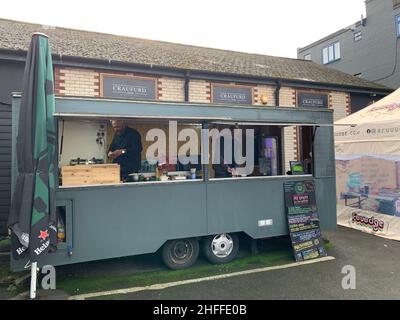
(178, 216)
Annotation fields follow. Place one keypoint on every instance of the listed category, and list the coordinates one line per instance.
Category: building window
(357, 36)
(307, 56)
(331, 53)
(397, 19)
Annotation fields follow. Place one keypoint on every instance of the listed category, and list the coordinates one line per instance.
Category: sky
(271, 27)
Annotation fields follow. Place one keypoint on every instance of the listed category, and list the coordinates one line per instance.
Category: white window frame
(331, 53)
(357, 36)
(397, 24)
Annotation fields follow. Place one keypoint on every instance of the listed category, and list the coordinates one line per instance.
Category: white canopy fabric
(386, 109)
(374, 129)
(367, 146)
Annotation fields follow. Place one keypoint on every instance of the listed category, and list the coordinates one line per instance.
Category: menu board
(303, 220)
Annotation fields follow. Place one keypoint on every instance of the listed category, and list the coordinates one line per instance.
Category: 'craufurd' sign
(313, 100)
(232, 94)
(128, 87)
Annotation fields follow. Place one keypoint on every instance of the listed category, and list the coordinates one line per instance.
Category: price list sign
(303, 220)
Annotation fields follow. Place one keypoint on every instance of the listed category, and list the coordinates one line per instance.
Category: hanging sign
(303, 220)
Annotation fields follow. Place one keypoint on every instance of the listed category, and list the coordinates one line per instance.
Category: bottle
(158, 168)
(60, 231)
(193, 173)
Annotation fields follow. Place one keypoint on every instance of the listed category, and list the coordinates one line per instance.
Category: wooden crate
(90, 174)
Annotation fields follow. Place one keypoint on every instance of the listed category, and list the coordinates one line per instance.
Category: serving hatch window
(98, 151)
(275, 150)
(245, 151)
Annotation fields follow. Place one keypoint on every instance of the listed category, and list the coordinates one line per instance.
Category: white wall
(80, 140)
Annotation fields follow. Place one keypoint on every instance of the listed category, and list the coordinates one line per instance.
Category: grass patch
(328, 245)
(6, 241)
(5, 267)
(115, 274)
(79, 285)
(7, 289)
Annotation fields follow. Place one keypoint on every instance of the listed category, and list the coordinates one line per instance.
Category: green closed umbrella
(33, 214)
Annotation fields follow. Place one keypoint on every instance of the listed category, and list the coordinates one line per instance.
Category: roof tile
(15, 35)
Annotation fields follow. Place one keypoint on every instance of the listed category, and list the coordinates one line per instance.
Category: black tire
(180, 253)
(211, 245)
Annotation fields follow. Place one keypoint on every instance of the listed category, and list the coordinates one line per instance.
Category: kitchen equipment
(148, 166)
(148, 174)
(95, 161)
(77, 161)
(178, 173)
(81, 161)
(268, 160)
(178, 177)
(164, 178)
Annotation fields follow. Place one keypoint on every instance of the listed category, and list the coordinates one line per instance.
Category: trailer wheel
(180, 253)
(221, 248)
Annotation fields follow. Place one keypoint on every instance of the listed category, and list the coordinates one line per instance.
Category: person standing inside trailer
(126, 148)
(227, 165)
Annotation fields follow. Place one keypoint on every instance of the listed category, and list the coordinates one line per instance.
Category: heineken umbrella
(32, 215)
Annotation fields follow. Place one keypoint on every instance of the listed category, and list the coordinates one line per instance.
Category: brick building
(181, 73)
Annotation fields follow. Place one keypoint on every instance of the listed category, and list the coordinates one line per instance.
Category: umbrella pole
(33, 280)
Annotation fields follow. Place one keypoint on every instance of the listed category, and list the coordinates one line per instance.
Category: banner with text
(115, 86)
(232, 94)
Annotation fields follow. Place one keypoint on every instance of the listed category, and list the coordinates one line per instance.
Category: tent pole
(33, 280)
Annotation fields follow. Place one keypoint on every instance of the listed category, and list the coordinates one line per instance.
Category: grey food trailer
(109, 221)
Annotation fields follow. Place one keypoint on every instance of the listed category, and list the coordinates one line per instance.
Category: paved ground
(376, 260)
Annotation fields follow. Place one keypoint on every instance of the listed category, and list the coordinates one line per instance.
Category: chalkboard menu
(313, 100)
(303, 220)
(115, 86)
(232, 94)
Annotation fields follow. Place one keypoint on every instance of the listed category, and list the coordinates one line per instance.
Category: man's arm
(110, 152)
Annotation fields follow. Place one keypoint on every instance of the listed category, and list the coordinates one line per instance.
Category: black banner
(303, 220)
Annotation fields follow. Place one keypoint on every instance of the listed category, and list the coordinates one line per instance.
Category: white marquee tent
(367, 145)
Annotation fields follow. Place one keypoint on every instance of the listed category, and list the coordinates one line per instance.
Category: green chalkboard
(303, 220)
